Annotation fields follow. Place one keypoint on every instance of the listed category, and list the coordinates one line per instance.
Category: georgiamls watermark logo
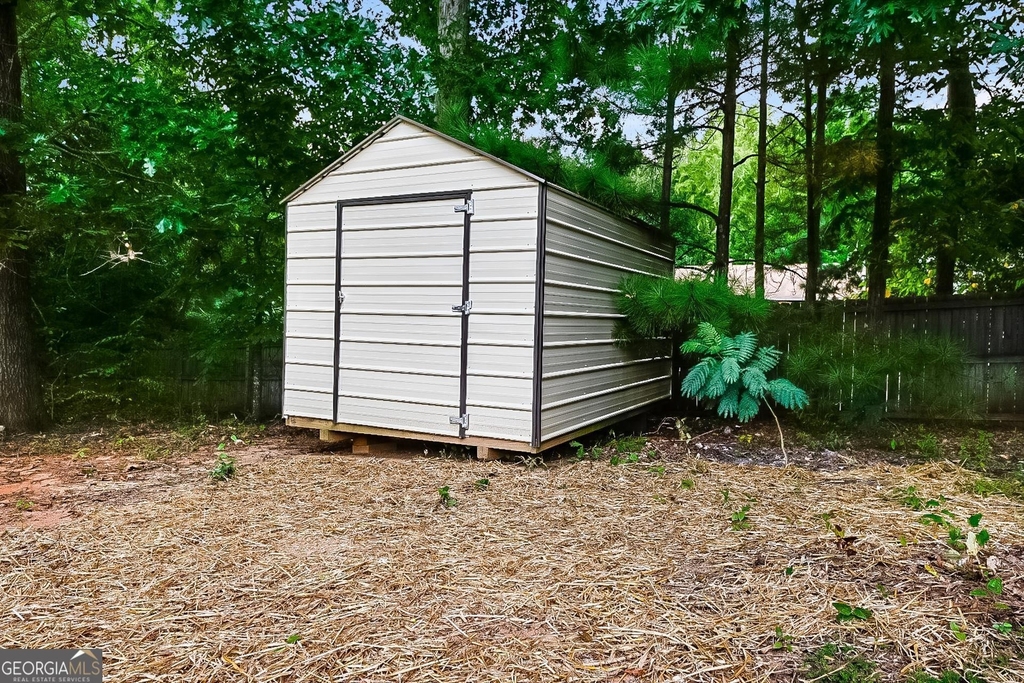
(51, 666)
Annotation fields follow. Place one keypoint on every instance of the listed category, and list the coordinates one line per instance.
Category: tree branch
(694, 207)
(744, 160)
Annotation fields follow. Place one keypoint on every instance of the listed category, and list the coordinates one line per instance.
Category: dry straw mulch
(312, 567)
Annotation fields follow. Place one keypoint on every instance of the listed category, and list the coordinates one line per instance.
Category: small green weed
(22, 505)
(293, 638)
(843, 540)
(627, 459)
(833, 663)
(739, 520)
(944, 677)
(846, 613)
(447, 500)
(927, 444)
(959, 632)
(910, 498)
(745, 439)
(970, 542)
(976, 450)
(1010, 485)
(481, 484)
(1003, 627)
(581, 451)
(657, 470)
(225, 468)
(782, 641)
(687, 484)
(626, 449)
(993, 588)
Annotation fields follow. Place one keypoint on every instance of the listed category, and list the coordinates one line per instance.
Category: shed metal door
(403, 269)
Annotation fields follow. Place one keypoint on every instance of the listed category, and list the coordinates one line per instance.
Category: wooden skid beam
(352, 430)
(372, 445)
(488, 453)
(331, 436)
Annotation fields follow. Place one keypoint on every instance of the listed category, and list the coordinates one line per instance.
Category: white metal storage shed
(435, 292)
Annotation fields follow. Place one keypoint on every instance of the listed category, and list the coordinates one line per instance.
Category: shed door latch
(461, 420)
(464, 308)
(341, 297)
(465, 208)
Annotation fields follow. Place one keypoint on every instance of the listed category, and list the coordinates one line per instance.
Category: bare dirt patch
(312, 564)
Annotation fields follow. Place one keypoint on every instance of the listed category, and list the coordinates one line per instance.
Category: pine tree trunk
(810, 218)
(878, 256)
(817, 179)
(724, 224)
(960, 105)
(452, 100)
(668, 159)
(19, 389)
(762, 151)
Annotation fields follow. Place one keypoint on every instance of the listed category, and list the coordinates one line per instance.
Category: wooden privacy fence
(246, 383)
(990, 329)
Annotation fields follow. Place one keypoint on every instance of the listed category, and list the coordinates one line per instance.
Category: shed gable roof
(383, 130)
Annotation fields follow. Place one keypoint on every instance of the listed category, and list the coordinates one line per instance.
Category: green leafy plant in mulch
(832, 663)
(225, 468)
(447, 499)
(732, 375)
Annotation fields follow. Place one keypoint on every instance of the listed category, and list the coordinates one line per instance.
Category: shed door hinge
(464, 308)
(465, 208)
(461, 420)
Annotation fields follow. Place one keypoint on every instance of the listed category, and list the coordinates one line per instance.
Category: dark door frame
(465, 196)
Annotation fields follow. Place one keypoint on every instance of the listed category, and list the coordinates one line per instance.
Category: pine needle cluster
(592, 176)
(659, 307)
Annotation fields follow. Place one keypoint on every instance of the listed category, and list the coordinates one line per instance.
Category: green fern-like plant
(733, 373)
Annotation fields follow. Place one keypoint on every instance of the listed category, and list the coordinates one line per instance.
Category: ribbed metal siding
(587, 378)
(414, 347)
(309, 312)
(502, 283)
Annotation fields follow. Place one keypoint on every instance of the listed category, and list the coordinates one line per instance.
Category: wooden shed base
(370, 440)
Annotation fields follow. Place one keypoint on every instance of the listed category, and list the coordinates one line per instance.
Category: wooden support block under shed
(331, 436)
(488, 453)
(372, 445)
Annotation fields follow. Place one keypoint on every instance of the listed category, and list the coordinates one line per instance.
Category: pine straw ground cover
(320, 566)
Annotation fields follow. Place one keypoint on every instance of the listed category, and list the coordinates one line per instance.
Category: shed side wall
(587, 378)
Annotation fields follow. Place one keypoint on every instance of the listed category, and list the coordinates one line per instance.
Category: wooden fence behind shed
(247, 383)
(990, 328)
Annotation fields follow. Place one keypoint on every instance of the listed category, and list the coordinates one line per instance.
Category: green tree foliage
(160, 137)
(162, 141)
